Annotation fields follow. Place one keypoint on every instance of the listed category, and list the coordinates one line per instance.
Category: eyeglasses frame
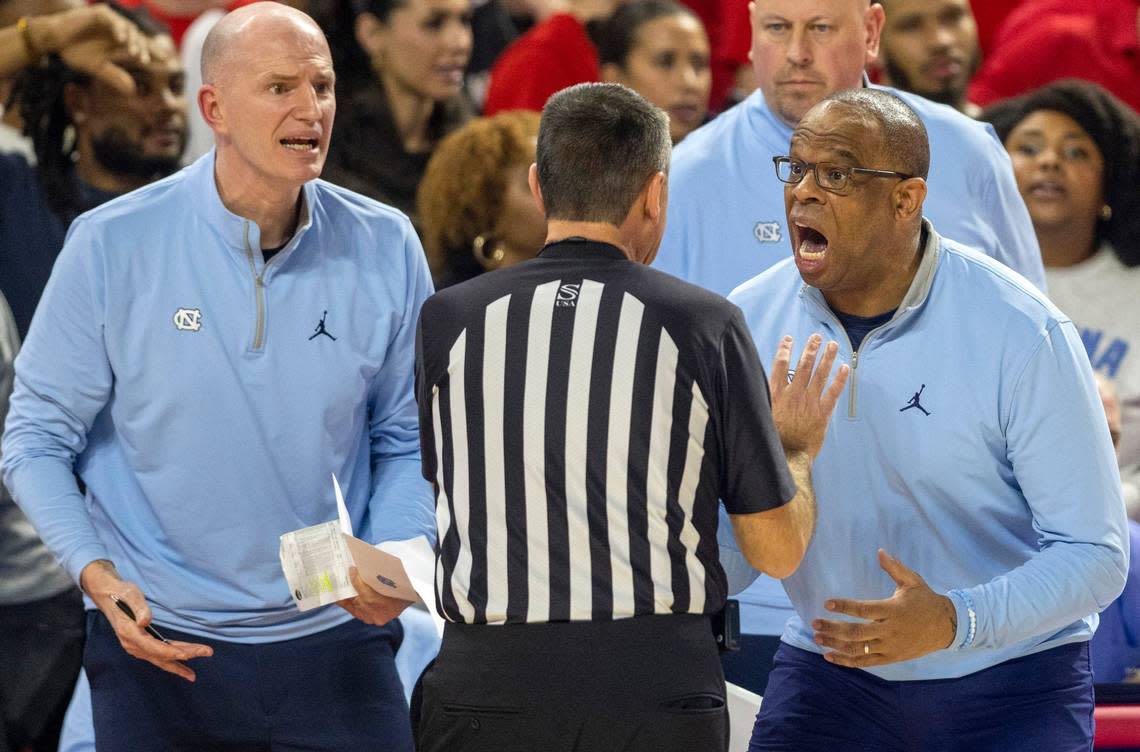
(776, 161)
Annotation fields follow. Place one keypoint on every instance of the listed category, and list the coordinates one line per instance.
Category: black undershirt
(268, 253)
(858, 326)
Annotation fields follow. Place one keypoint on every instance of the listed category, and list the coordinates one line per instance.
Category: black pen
(131, 615)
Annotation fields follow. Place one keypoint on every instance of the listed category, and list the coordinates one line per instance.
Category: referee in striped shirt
(581, 415)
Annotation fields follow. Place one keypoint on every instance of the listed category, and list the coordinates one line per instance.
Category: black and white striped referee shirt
(580, 415)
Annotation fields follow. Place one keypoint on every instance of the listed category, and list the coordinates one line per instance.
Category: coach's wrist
(965, 620)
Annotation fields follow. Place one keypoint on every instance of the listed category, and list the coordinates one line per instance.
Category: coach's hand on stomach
(911, 623)
(369, 606)
(100, 581)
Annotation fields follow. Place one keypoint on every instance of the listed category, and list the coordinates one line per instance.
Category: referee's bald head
(598, 144)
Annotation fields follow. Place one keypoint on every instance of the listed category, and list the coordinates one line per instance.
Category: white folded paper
(316, 561)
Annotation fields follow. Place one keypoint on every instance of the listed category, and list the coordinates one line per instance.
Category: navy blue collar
(581, 248)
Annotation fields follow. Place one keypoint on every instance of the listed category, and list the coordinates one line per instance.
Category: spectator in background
(554, 54)
(1046, 40)
(493, 28)
(1076, 155)
(659, 49)
(41, 613)
(930, 48)
(989, 16)
(726, 22)
(1115, 648)
(127, 114)
(400, 65)
(11, 128)
(475, 207)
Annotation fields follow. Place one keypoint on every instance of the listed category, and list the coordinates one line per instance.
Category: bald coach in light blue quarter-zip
(970, 521)
(208, 351)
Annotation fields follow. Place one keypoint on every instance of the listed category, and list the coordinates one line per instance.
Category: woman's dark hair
(38, 97)
(614, 38)
(350, 61)
(1114, 128)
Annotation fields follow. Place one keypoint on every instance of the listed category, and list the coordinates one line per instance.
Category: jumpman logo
(914, 402)
(321, 329)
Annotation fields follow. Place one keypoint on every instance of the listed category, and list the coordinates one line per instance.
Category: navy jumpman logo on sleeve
(914, 402)
(321, 329)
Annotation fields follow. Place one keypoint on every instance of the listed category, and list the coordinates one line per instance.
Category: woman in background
(475, 207)
(659, 49)
(400, 67)
(1076, 155)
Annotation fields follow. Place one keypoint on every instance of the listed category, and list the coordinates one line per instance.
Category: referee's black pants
(644, 684)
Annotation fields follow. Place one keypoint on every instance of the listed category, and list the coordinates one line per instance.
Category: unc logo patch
(767, 232)
(567, 296)
(188, 319)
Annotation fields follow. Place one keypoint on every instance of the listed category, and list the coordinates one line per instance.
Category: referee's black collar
(581, 248)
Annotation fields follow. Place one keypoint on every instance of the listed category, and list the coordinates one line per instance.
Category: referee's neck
(599, 232)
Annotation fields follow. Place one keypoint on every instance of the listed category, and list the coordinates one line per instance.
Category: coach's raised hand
(802, 400)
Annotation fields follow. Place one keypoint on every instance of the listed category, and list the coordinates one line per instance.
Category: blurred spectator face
(523, 225)
(930, 47)
(803, 50)
(138, 134)
(274, 111)
(1059, 169)
(669, 65)
(423, 49)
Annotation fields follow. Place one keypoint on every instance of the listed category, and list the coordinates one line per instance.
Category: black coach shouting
(581, 414)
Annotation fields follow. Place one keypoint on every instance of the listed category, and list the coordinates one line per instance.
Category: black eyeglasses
(828, 175)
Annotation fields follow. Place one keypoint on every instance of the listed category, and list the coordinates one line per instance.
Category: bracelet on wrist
(34, 54)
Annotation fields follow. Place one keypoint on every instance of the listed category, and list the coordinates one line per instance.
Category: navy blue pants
(749, 666)
(1041, 702)
(334, 690)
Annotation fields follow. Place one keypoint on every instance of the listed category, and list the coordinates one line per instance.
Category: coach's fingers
(778, 373)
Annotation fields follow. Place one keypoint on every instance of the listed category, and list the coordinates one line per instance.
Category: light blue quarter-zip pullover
(971, 445)
(205, 397)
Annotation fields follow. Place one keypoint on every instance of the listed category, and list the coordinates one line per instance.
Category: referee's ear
(656, 197)
(535, 189)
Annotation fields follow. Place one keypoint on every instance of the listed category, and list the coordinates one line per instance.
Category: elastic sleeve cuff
(967, 616)
(79, 560)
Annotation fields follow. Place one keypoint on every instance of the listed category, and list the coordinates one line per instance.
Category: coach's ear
(535, 189)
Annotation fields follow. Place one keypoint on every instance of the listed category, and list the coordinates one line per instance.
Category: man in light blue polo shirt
(970, 522)
(726, 221)
(726, 215)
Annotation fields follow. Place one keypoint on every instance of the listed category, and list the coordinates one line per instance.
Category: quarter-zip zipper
(258, 292)
(852, 379)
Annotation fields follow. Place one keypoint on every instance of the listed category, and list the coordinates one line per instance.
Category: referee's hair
(904, 139)
(598, 144)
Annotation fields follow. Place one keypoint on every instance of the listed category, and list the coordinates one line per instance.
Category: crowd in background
(437, 116)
